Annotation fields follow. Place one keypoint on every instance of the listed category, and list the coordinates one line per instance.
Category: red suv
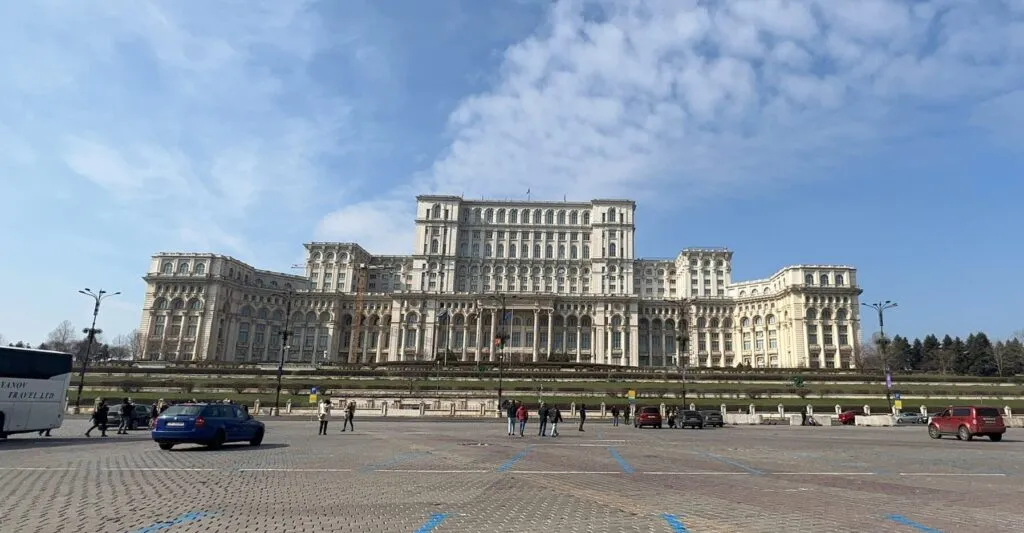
(966, 422)
(847, 418)
(648, 416)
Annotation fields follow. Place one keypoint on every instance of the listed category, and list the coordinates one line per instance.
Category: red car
(847, 418)
(648, 416)
(968, 422)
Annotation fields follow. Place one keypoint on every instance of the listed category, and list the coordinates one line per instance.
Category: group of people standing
(518, 415)
(324, 415)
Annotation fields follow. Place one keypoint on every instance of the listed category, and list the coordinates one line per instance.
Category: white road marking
(405, 471)
(144, 469)
(555, 472)
(294, 469)
(696, 473)
(950, 474)
(823, 474)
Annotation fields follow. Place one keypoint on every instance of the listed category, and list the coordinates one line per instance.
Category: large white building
(565, 274)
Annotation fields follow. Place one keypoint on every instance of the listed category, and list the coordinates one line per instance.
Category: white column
(536, 335)
(380, 344)
(494, 332)
(551, 330)
(477, 342)
(579, 343)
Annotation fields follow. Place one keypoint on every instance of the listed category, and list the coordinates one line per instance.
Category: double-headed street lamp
(285, 334)
(91, 332)
(880, 308)
(682, 360)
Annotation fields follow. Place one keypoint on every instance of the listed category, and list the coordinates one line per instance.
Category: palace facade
(559, 281)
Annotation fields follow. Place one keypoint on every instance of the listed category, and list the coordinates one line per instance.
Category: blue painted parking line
(515, 459)
(626, 468)
(430, 525)
(393, 461)
(180, 519)
(904, 521)
(737, 464)
(675, 523)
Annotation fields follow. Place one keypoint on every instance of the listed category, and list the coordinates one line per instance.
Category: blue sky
(882, 134)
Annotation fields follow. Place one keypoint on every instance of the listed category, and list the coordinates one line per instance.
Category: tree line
(68, 339)
(974, 356)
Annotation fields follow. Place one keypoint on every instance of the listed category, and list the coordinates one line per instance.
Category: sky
(883, 134)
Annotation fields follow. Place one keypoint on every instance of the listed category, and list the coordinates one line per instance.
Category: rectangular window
(616, 340)
(844, 337)
(728, 342)
(585, 340)
(828, 336)
(812, 334)
(260, 334)
(759, 341)
(243, 333)
(746, 342)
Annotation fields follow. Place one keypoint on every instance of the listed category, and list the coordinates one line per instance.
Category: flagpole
(527, 195)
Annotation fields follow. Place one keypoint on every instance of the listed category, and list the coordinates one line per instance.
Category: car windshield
(183, 410)
(649, 410)
(987, 411)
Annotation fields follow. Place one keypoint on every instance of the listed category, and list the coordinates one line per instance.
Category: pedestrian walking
(615, 415)
(99, 419)
(154, 413)
(625, 415)
(510, 412)
(126, 417)
(323, 414)
(554, 416)
(542, 420)
(350, 413)
(583, 415)
(522, 415)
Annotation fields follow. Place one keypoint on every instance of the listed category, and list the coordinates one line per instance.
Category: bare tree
(129, 346)
(63, 337)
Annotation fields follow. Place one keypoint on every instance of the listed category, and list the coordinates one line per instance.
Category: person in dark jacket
(542, 420)
(554, 416)
(510, 412)
(583, 415)
(126, 417)
(99, 419)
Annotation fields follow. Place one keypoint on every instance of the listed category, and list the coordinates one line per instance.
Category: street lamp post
(880, 308)
(500, 340)
(285, 334)
(98, 298)
(682, 361)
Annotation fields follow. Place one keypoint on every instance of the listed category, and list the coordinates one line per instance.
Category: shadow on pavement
(231, 447)
(36, 443)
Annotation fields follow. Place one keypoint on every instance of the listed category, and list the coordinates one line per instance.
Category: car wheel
(258, 439)
(659, 426)
(996, 437)
(964, 434)
(933, 432)
(218, 440)
(166, 445)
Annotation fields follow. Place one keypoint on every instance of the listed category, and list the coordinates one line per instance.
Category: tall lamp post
(285, 334)
(682, 361)
(91, 331)
(500, 339)
(880, 308)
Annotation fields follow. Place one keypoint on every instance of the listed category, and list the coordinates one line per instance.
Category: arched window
(574, 218)
(811, 314)
(561, 251)
(586, 217)
(476, 215)
(611, 250)
(501, 250)
(489, 216)
(744, 322)
(824, 279)
(809, 279)
(573, 252)
(536, 251)
(841, 315)
(434, 246)
(548, 252)
(549, 217)
(501, 216)
(161, 303)
(168, 268)
(611, 214)
(487, 250)
(178, 304)
(512, 251)
(183, 268)
(586, 251)
(437, 211)
(201, 269)
(513, 216)
(839, 280)
(561, 218)
(536, 216)
(195, 305)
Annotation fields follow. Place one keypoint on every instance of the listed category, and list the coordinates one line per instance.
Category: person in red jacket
(522, 415)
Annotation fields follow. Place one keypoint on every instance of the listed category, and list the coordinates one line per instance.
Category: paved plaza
(437, 476)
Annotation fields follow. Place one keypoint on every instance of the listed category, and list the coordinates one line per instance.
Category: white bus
(33, 388)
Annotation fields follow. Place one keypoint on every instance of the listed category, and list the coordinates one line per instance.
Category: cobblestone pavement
(438, 476)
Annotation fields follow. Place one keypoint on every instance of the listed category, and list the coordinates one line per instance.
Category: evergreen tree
(981, 360)
(917, 355)
(900, 356)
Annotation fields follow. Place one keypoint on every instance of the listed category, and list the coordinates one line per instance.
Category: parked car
(210, 424)
(847, 418)
(910, 418)
(139, 417)
(713, 418)
(968, 422)
(648, 416)
(688, 418)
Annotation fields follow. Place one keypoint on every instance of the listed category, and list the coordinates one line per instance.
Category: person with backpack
(99, 419)
(542, 420)
(522, 415)
(554, 416)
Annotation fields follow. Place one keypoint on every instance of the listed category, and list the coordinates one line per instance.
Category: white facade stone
(566, 274)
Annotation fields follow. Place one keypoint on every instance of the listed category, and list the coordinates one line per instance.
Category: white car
(910, 418)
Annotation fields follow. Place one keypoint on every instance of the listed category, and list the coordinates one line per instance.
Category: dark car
(968, 422)
(139, 416)
(209, 424)
(713, 418)
(648, 416)
(688, 418)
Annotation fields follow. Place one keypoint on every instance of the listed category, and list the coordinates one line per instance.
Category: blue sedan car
(210, 424)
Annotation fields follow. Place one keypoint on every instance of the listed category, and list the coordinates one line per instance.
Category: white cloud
(650, 99)
(381, 226)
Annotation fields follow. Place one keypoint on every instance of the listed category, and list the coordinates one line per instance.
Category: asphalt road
(432, 476)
